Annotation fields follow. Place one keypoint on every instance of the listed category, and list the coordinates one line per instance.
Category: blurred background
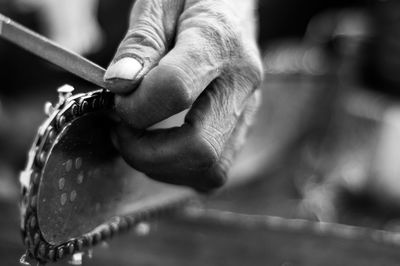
(325, 146)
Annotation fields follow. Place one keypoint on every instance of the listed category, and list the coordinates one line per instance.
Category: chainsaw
(76, 190)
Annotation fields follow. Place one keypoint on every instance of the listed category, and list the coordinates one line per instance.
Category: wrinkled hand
(199, 55)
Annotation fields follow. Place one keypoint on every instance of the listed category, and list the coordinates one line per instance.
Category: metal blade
(50, 51)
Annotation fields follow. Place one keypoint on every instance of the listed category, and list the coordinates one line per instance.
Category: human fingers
(199, 153)
(150, 34)
(208, 44)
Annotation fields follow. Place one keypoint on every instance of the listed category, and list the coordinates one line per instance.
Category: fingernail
(126, 68)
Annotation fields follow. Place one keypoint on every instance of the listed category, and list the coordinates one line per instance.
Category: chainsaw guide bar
(76, 190)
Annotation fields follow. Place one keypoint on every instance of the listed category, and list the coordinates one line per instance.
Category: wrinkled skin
(199, 55)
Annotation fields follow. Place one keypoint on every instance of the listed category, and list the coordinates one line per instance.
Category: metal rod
(50, 51)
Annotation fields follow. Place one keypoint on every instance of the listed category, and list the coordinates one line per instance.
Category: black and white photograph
(199, 133)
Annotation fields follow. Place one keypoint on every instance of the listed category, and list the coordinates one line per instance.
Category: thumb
(151, 32)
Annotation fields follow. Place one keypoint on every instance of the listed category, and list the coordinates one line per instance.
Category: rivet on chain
(27, 242)
(52, 134)
(102, 102)
(35, 178)
(41, 158)
(96, 238)
(130, 220)
(84, 107)
(88, 240)
(95, 103)
(75, 110)
(79, 244)
(61, 121)
(114, 228)
(36, 239)
(106, 233)
(33, 222)
(33, 202)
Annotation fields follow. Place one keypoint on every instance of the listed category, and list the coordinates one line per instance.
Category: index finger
(173, 85)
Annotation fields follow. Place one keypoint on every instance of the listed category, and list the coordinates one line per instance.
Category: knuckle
(218, 26)
(253, 69)
(145, 35)
(224, 38)
(142, 39)
(257, 72)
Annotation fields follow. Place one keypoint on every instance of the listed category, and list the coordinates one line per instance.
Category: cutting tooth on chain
(36, 239)
(113, 229)
(64, 93)
(48, 108)
(51, 254)
(42, 250)
(33, 222)
(24, 260)
(105, 233)
(79, 244)
(60, 252)
(96, 238)
(88, 240)
(71, 248)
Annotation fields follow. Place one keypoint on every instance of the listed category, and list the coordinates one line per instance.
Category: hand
(199, 55)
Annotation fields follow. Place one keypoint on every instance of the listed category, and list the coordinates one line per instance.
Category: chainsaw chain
(59, 118)
(280, 224)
